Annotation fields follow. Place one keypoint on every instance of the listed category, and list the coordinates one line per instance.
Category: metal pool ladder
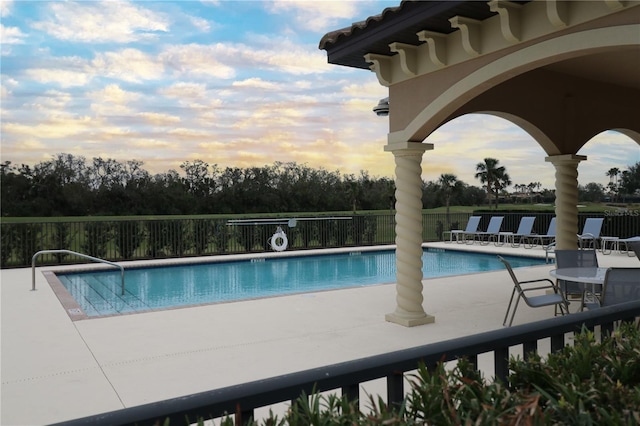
(95, 259)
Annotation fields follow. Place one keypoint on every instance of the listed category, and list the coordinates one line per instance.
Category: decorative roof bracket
(381, 65)
(408, 57)
(614, 4)
(470, 30)
(436, 43)
(558, 13)
(509, 18)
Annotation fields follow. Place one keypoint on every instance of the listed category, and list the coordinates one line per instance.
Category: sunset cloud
(237, 84)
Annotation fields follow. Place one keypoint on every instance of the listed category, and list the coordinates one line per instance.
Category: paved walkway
(55, 369)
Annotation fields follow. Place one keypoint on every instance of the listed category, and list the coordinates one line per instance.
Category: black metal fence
(346, 377)
(119, 240)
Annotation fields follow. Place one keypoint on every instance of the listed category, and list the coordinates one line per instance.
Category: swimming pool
(98, 293)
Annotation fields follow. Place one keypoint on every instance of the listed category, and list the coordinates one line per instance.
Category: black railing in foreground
(244, 398)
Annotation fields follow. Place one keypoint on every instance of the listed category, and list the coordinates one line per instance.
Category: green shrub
(61, 239)
(203, 233)
(97, 237)
(27, 239)
(129, 235)
(8, 240)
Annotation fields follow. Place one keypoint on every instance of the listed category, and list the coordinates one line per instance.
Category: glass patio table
(587, 277)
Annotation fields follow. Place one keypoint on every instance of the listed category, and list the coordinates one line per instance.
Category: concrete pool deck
(55, 369)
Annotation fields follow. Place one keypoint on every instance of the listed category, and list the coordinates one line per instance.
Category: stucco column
(409, 311)
(566, 199)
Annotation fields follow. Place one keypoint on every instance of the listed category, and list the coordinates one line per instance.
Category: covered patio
(564, 71)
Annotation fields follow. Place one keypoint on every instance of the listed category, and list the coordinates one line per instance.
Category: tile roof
(347, 46)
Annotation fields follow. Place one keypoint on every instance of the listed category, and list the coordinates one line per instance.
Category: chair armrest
(551, 285)
(537, 281)
(587, 235)
(555, 289)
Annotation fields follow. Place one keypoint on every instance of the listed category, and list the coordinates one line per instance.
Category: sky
(231, 83)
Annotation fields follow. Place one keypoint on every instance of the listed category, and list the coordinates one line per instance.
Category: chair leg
(513, 314)
(506, 315)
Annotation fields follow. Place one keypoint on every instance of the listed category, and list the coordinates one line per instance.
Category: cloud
(221, 60)
(11, 35)
(56, 126)
(197, 59)
(158, 119)
(314, 15)
(202, 24)
(101, 22)
(5, 7)
(184, 90)
(64, 78)
(52, 100)
(255, 83)
(131, 65)
(112, 93)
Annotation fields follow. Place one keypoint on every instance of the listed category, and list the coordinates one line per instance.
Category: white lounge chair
(547, 238)
(492, 232)
(590, 232)
(472, 226)
(624, 245)
(524, 230)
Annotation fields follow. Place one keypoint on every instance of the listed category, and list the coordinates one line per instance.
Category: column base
(410, 321)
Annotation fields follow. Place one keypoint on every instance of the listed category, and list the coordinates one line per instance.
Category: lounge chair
(524, 229)
(556, 298)
(590, 232)
(547, 238)
(492, 232)
(624, 245)
(472, 226)
(635, 246)
(632, 246)
(620, 285)
(576, 259)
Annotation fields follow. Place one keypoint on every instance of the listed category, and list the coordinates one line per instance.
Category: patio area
(55, 369)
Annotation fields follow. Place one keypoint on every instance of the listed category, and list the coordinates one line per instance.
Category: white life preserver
(279, 236)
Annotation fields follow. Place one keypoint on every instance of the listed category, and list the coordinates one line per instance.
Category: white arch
(532, 57)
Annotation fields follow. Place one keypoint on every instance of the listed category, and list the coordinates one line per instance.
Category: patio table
(584, 276)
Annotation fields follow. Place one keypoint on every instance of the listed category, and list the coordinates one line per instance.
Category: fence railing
(346, 377)
(121, 240)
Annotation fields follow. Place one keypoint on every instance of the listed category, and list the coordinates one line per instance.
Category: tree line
(68, 185)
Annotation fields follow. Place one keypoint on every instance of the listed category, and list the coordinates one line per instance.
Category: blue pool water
(99, 292)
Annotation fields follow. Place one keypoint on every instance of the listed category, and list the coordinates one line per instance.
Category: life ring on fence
(279, 236)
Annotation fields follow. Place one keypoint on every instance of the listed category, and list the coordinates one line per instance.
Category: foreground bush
(588, 384)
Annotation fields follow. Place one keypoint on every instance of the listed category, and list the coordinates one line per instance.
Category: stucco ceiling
(620, 68)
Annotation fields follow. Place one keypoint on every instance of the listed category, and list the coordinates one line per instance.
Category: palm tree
(613, 174)
(613, 181)
(489, 172)
(501, 182)
(448, 183)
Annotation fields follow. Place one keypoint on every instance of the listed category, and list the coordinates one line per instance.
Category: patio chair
(524, 229)
(544, 239)
(576, 259)
(590, 232)
(492, 232)
(556, 298)
(620, 285)
(472, 226)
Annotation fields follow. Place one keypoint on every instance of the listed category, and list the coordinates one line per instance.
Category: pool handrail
(86, 256)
